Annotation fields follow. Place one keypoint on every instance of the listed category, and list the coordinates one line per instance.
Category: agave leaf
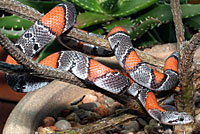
(91, 5)
(194, 22)
(128, 7)
(41, 6)
(139, 29)
(163, 12)
(12, 34)
(91, 18)
(14, 22)
(126, 23)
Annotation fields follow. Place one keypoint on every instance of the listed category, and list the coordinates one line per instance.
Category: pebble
(45, 130)
(142, 122)
(88, 106)
(73, 108)
(102, 110)
(140, 132)
(65, 112)
(82, 113)
(132, 125)
(91, 117)
(73, 117)
(63, 124)
(126, 132)
(48, 121)
(197, 117)
(89, 98)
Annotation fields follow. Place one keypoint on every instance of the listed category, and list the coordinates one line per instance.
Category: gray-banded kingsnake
(142, 78)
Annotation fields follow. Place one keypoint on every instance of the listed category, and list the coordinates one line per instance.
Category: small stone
(142, 122)
(63, 124)
(48, 121)
(168, 131)
(91, 117)
(82, 113)
(140, 132)
(45, 130)
(98, 94)
(73, 117)
(153, 122)
(102, 110)
(126, 132)
(54, 128)
(65, 112)
(60, 118)
(89, 98)
(197, 117)
(88, 106)
(132, 125)
(73, 108)
(109, 101)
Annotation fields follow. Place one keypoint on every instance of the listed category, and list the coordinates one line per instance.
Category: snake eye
(181, 118)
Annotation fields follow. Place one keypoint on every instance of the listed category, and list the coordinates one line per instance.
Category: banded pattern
(139, 81)
(142, 74)
(51, 25)
(86, 48)
(166, 116)
(86, 68)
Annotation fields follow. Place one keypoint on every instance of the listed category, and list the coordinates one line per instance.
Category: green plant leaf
(128, 7)
(91, 5)
(91, 18)
(163, 12)
(194, 22)
(41, 6)
(126, 23)
(140, 29)
(15, 22)
(12, 34)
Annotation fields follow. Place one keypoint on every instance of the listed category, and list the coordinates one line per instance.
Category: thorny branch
(46, 71)
(33, 15)
(39, 70)
(176, 12)
(185, 97)
(101, 125)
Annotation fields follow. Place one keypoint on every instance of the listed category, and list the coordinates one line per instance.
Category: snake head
(171, 117)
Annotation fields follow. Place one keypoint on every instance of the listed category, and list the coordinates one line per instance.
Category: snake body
(141, 79)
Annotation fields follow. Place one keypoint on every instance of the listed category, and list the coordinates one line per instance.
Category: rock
(48, 121)
(45, 130)
(140, 132)
(54, 128)
(65, 112)
(142, 122)
(197, 117)
(82, 113)
(102, 110)
(63, 124)
(88, 106)
(89, 98)
(60, 118)
(73, 108)
(132, 125)
(109, 101)
(153, 128)
(91, 117)
(126, 132)
(73, 117)
(168, 131)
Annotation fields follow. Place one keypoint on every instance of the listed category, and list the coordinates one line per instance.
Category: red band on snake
(143, 78)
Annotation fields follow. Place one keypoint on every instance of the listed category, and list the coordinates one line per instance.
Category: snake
(139, 81)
